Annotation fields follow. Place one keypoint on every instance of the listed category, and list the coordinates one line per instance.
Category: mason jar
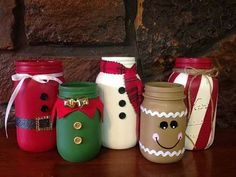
(199, 78)
(35, 92)
(79, 113)
(163, 122)
(120, 89)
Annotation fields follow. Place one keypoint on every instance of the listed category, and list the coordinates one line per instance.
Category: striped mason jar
(201, 89)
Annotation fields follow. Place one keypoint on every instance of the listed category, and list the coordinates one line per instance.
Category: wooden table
(219, 160)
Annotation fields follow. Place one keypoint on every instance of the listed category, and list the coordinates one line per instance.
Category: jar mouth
(127, 59)
(38, 66)
(164, 91)
(165, 86)
(78, 90)
(189, 62)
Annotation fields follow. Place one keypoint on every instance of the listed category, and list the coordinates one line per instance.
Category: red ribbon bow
(133, 84)
(61, 111)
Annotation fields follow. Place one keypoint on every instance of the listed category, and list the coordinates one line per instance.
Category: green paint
(90, 134)
(90, 131)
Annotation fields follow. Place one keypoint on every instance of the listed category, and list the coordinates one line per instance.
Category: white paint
(126, 61)
(40, 78)
(163, 114)
(116, 133)
(212, 135)
(161, 153)
(199, 109)
(182, 79)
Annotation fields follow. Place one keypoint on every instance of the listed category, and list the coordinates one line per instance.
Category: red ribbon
(61, 111)
(133, 85)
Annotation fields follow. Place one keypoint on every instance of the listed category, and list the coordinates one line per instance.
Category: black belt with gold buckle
(39, 123)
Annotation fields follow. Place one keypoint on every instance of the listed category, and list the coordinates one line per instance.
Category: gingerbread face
(162, 135)
(167, 128)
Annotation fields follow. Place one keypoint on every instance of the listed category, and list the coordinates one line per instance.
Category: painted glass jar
(201, 88)
(79, 113)
(163, 122)
(121, 91)
(36, 88)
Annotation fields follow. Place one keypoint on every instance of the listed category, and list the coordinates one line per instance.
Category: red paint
(28, 103)
(61, 111)
(195, 84)
(38, 66)
(173, 77)
(206, 128)
(183, 63)
(198, 63)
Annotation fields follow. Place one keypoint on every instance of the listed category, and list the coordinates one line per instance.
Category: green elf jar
(79, 113)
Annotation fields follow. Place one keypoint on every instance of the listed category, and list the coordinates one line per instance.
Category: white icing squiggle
(161, 153)
(163, 114)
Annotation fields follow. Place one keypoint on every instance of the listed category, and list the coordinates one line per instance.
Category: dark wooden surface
(219, 160)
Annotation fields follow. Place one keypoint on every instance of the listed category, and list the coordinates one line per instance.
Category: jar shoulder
(164, 106)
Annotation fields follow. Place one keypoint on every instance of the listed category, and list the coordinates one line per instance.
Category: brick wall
(79, 32)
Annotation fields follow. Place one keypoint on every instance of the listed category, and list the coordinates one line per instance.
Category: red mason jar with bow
(121, 91)
(36, 88)
(201, 89)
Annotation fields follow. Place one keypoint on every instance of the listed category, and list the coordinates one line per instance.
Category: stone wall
(7, 22)
(79, 32)
(166, 29)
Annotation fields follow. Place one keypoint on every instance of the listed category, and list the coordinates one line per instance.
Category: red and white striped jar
(201, 89)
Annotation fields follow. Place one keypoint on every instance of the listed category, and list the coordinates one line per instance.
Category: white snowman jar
(121, 92)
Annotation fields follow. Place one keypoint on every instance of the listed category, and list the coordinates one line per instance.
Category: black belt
(39, 124)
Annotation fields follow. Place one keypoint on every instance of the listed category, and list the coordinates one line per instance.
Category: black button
(44, 108)
(122, 103)
(122, 115)
(44, 96)
(121, 90)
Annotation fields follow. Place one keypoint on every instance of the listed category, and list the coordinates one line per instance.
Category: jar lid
(38, 66)
(164, 91)
(198, 63)
(78, 90)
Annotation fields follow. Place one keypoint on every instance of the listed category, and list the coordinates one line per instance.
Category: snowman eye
(173, 124)
(163, 125)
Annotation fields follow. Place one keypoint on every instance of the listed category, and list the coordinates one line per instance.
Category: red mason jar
(201, 89)
(36, 88)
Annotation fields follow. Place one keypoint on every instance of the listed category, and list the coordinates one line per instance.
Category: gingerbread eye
(163, 125)
(173, 124)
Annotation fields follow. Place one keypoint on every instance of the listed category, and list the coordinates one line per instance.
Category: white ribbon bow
(41, 78)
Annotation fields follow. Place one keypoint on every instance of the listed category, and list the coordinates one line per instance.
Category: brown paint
(163, 97)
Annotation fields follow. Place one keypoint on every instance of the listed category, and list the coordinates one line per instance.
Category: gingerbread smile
(156, 138)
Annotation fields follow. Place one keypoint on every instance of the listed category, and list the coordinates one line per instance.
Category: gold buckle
(43, 123)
